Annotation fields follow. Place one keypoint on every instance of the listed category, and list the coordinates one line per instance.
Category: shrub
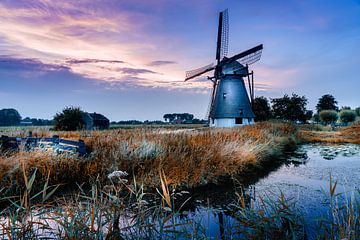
(347, 116)
(357, 110)
(70, 119)
(9, 117)
(328, 116)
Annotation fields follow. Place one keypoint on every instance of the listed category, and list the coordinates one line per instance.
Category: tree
(9, 117)
(347, 116)
(326, 102)
(182, 117)
(70, 119)
(345, 108)
(308, 114)
(316, 118)
(357, 110)
(290, 108)
(261, 108)
(328, 116)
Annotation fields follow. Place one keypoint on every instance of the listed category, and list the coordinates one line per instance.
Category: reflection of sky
(127, 58)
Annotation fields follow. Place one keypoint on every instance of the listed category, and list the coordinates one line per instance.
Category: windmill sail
(223, 36)
(247, 57)
(199, 71)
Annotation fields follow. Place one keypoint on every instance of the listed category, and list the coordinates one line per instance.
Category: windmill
(230, 103)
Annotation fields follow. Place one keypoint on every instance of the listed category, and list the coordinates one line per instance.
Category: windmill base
(230, 122)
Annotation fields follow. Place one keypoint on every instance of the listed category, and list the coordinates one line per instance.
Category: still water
(304, 178)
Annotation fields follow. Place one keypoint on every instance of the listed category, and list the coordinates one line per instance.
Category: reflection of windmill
(230, 103)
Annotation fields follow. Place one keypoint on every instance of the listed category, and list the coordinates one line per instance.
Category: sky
(127, 59)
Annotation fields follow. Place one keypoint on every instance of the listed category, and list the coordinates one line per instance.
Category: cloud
(10, 63)
(89, 60)
(135, 71)
(160, 63)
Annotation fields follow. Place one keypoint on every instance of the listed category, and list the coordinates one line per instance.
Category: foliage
(328, 116)
(326, 102)
(38, 121)
(290, 108)
(70, 119)
(347, 116)
(345, 108)
(183, 117)
(357, 110)
(309, 114)
(316, 118)
(261, 108)
(9, 117)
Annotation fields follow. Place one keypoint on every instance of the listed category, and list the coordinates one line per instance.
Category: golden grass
(349, 134)
(187, 157)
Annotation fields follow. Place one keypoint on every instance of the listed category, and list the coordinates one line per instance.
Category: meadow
(134, 182)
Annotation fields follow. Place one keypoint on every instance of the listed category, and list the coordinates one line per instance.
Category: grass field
(187, 157)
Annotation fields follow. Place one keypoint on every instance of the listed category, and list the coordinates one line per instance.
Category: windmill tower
(230, 103)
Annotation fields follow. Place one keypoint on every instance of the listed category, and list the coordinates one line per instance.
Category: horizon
(127, 60)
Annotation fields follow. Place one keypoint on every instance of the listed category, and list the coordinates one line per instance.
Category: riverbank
(187, 158)
(350, 134)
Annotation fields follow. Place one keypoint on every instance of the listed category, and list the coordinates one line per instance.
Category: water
(304, 178)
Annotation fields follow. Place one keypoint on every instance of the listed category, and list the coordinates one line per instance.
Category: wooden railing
(54, 144)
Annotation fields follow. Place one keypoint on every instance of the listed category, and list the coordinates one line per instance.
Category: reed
(187, 157)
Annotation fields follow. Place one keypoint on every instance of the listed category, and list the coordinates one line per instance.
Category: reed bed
(350, 134)
(188, 157)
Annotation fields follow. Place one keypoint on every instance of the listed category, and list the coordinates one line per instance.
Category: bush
(70, 119)
(328, 116)
(347, 116)
(9, 117)
(357, 110)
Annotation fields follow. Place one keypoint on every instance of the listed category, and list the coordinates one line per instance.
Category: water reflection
(303, 176)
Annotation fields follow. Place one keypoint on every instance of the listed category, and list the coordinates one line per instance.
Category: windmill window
(238, 121)
(224, 95)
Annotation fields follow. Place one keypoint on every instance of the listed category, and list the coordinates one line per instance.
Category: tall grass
(350, 134)
(189, 158)
(121, 210)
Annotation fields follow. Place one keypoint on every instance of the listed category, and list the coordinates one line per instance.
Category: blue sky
(127, 59)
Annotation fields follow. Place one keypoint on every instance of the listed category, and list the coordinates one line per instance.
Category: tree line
(293, 108)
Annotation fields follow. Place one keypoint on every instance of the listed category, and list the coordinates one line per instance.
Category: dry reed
(188, 158)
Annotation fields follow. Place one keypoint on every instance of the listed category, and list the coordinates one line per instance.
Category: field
(87, 197)
(187, 157)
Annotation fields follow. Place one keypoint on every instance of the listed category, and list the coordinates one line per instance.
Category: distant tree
(316, 118)
(70, 119)
(290, 108)
(328, 116)
(345, 108)
(347, 116)
(261, 108)
(9, 117)
(357, 110)
(327, 102)
(199, 121)
(182, 117)
(308, 114)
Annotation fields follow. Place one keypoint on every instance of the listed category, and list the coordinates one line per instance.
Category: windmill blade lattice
(197, 72)
(251, 58)
(224, 35)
